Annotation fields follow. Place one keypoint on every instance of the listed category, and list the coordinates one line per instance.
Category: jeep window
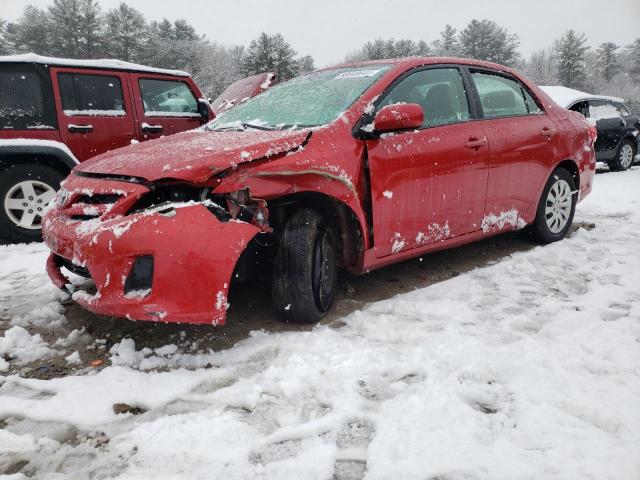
(307, 101)
(91, 95)
(439, 91)
(503, 97)
(166, 98)
(26, 98)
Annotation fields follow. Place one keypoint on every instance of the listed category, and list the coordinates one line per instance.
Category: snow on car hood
(194, 156)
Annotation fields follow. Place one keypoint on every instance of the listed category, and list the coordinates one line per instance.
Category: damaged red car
(354, 167)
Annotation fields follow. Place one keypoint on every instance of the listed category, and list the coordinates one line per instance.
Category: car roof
(104, 64)
(408, 62)
(565, 97)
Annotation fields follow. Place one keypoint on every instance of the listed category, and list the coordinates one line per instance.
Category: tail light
(593, 133)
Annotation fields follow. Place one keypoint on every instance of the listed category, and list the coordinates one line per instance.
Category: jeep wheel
(624, 159)
(556, 208)
(25, 191)
(305, 270)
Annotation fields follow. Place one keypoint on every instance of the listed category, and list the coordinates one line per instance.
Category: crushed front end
(157, 252)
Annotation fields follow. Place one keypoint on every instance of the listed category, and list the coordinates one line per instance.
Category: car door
(94, 107)
(164, 105)
(610, 124)
(523, 141)
(429, 184)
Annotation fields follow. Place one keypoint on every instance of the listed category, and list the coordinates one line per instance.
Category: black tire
(305, 269)
(621, 161)
(540, 228)
(42, 176)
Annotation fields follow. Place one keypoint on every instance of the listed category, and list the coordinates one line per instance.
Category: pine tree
(4, 41)
(125, 33)
(485, 40)
(65, 26)
(633, 51)
(90, 28)
(183, 31)
(448, 44)
(31, 33)
(270, 53)
(607, 61)
(570, 51)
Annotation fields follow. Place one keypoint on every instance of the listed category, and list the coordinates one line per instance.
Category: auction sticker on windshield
(357, 74)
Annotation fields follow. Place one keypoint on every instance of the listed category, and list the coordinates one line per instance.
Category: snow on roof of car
(108, 64)
(565, 97)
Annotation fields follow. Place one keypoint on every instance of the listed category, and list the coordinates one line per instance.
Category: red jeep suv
(354, 167)
(55, 113)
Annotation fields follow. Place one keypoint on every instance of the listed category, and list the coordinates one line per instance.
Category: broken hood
(194, 156)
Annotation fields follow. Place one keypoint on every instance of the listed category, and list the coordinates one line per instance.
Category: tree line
(610, 69)
(80, 29)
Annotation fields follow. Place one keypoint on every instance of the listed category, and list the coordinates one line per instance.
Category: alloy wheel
(25, 203)
(626, 156)
(558, 206)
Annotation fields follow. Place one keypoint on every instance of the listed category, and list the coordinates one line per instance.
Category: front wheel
(305, 269)
(556, 208)
(624, 158)
(25, 191)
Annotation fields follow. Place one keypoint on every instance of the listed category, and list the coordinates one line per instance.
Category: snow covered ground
(525, 369)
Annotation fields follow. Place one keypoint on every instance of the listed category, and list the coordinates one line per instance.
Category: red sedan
(353, 167)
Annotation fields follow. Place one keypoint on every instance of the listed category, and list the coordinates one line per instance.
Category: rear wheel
(624, 158)
(556, 208)
(25, 191)
(305, 269)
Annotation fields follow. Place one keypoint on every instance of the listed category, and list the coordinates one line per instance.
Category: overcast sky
(329, 29)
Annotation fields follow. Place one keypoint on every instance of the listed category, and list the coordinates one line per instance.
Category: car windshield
(307, 101)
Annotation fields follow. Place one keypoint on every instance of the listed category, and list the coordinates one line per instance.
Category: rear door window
(26, 98)
(503, 97)
(439, 91)
(166, 98)
(91, 95)
(603, 109)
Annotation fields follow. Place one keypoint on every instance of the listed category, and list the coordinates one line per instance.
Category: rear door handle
(146, 128)
(475, 143)
(80, 128)
(547, 132)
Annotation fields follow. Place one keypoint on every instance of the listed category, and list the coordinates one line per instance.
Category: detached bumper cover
(194, 256)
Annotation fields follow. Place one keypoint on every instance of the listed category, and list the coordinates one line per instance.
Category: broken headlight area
(237, 205)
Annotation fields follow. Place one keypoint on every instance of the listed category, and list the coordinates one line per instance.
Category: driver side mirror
(401, 116)
(204, 110)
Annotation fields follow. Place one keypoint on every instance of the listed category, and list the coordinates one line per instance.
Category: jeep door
(95, 113)
(164, 105)
(428, 184)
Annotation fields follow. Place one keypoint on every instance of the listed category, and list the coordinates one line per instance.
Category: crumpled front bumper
(194, 255)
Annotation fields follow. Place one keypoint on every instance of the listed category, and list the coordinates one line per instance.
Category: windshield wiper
(239, 127)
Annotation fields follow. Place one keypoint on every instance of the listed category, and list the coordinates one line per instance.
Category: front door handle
(146, 128)
(80, 128)
(547, 132)
(475, 143)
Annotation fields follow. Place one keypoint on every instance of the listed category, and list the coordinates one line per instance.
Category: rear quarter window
(26, 98)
